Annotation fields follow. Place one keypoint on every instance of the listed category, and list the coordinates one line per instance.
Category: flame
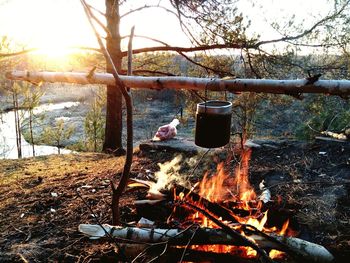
(276, 254)
(211, 188)
(223, 188)
(284, 228)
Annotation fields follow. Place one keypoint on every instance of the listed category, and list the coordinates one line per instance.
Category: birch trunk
(205, 236)
(290, 87)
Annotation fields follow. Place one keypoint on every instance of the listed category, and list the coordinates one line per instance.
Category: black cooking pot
(213, 123)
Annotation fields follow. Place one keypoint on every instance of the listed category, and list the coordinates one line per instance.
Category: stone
(176, 144)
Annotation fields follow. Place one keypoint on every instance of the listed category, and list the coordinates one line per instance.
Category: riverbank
(151, 110)
(56, 93)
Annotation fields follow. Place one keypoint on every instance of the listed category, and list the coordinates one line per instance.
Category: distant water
(8, 148)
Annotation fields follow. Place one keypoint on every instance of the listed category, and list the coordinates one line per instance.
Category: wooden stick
(117, 190)
(206, 236)
(215, 208)
(289, 87)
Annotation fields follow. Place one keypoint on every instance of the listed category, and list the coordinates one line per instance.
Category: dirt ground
(44, 199)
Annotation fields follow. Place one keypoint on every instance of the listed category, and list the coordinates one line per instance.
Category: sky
(55, 24)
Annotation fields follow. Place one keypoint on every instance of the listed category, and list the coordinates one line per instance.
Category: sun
(51, 27)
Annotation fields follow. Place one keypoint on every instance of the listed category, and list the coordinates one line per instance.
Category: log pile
(229, 232)
(206, 236)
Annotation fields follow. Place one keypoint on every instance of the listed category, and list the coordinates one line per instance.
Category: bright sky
(53, 24)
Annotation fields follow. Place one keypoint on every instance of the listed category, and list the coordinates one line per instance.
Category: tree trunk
(17, 122)
(95, 138)
(113, 131)
(58, 146)
(31, 130)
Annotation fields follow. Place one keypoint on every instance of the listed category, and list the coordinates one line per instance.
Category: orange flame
(221, 188)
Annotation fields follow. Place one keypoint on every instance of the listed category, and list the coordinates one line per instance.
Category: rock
(175, 144)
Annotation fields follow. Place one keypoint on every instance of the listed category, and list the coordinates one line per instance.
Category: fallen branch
(331, 87)
(206, 236)
(334, 135)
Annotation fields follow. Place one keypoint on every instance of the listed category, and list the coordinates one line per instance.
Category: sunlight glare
(51, 26)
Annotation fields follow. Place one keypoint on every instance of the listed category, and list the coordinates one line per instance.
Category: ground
(44, 199)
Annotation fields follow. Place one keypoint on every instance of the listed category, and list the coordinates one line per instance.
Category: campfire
(220, 215)
(237, 195)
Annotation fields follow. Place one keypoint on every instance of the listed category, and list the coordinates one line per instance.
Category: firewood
(311, 252)
(215, 208)
(338, 136)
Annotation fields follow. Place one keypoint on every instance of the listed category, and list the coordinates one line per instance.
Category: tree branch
(146, 7)
(185, 56)
(188, 49)
(306, 32)
(95, 9)
(5, 55)
(97, 20)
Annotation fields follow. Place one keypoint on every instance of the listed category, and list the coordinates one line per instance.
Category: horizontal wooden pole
(291, 87)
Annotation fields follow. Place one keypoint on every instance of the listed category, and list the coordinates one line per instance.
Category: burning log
(136, 253)
(220, 211)
(290, 87)
(215, 208)
(206, 236)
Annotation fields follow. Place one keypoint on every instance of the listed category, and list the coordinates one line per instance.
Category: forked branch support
(289, 87)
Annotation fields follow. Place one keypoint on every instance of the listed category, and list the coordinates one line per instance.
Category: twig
(188, 243)
(94, 214)
(161, 254)
(199, 161)
(23, 258)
